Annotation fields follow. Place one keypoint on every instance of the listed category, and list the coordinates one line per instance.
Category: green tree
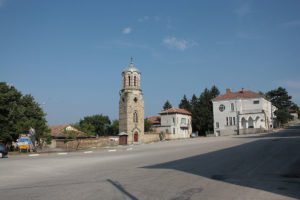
(33, 116)
(206, 109)
(185, 104)
(18, 114)
(295, 108)
(114, 128)
(147, 125)
(196, 121)
(95, 125)
(167, 105)
(280, 98)
(202, 110)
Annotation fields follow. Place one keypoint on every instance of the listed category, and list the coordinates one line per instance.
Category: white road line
(62, 153)
(88, 152)
(112, 150)
(33, 155)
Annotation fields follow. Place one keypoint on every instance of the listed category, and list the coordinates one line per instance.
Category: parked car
(3, 150)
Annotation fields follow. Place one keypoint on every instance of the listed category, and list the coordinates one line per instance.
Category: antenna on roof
(131, 60)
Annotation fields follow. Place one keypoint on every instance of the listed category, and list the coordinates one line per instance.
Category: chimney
(228, 90)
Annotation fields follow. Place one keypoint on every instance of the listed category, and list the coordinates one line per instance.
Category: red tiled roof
(154, 119)
(59, 131)
(242, 94)
(175, 110)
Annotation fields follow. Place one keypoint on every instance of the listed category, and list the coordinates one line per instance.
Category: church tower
(131, 105)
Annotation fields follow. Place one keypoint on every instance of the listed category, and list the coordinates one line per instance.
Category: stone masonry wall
(86, 143)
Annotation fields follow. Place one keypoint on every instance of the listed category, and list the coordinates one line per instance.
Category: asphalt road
(246, 167)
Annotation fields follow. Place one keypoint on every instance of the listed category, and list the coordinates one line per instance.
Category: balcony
(183, 125)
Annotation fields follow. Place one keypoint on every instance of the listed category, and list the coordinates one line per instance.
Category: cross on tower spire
(131, 60)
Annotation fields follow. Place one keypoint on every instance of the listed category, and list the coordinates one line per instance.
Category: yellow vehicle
(24, 144)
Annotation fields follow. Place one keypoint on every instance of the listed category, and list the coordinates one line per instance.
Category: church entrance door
(136, 137)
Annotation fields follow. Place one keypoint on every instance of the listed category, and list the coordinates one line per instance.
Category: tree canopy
(280, 98)
(97, 125)
(167, 105)
(185, 104)
(19, 113)
(201, 109)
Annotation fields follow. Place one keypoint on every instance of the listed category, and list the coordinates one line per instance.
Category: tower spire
(131, 60)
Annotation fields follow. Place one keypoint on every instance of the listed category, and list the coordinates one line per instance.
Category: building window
(135, 117)
(124, 82)
(217, 125)
(183, 121)
(230, 120)
(174, 131)
(173, 120)
(256, 102)
(233, 120)
(129, 80)
(221, 107)
(232, 107)
(134, 80)
(227, 121)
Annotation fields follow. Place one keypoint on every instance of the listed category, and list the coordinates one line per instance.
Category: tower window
(129, 80)
(134, 80)
(135, 117)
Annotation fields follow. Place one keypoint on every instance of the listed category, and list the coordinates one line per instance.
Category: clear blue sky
(69, 54)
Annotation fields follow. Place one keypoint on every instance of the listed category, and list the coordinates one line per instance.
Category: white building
(242, 112)
(175, 123)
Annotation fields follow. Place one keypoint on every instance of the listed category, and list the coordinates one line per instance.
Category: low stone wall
(72, 144)
(86, 143)
(151, 137)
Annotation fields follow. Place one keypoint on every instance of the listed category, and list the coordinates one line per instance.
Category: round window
(221, 107)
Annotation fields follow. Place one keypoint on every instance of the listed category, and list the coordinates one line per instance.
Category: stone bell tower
(131, 105)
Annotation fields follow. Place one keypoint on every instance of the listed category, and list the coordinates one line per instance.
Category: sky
(69, 54)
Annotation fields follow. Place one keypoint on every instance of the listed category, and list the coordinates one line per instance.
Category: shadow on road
(272, 165)
(293, 131)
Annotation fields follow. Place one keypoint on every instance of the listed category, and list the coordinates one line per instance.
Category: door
(136, 137)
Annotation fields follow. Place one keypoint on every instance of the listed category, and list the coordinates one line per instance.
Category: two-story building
(242, 112)
(173, 123)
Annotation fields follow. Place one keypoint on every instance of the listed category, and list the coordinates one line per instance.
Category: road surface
(261, 166)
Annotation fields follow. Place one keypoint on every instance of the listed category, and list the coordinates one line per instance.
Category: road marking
(129, 149)
(33, 155)
(112, 150)
(88, 152)
(62, 153)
